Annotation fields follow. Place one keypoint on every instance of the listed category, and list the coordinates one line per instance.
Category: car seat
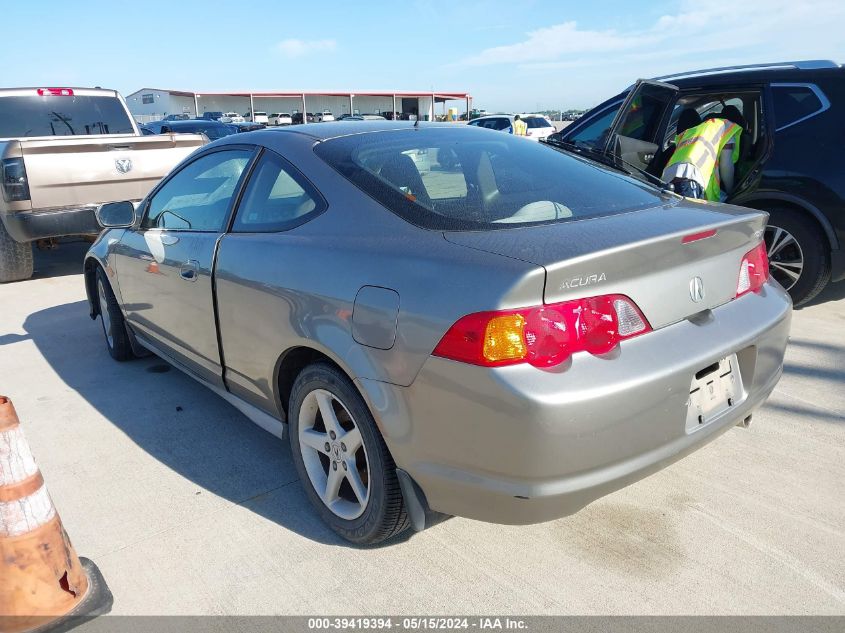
(403, 174)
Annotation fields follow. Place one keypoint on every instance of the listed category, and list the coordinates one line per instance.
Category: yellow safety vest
(701, 146)
(520, 128)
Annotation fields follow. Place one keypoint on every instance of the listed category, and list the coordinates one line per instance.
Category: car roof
(816, 64)
(194, 122)
(335, 129)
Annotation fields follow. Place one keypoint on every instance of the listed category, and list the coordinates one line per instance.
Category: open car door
(636, 131)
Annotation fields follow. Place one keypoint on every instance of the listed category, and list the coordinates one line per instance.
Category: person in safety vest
(520, 128)
(702, 164)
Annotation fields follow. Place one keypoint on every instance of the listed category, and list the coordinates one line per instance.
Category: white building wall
(158, 104)
(223, 104)
(372, 105)
(182, 105)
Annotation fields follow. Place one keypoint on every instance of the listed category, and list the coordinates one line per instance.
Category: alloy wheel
(786, 259)
(334, 454)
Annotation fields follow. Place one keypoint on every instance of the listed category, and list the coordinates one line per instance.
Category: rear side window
(594, 134)
(795, 103)
(460, 179)
(199, 196)
(276, 198)
(22, 117)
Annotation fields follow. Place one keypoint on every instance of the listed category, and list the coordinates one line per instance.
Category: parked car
(211, 116)
(592, 331)
(365, 117)
(280, 118)
(297, 118)
(538, 126)
(248, 126)
(176, 117)
(212, 129)
(231, 117)
(323, 116)
(258, 117)
(789, 165)
(63, 151)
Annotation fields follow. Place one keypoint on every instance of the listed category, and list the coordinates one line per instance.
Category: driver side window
(199, 197)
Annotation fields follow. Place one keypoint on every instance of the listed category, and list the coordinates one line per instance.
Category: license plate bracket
(713, 390)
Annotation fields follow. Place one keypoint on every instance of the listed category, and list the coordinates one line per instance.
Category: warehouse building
(150, 104)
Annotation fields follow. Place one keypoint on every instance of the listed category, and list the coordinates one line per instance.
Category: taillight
(55, 92)
(15, 186)
(545, 335)
(753, 271)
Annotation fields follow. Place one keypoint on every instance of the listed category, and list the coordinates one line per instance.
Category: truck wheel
(342, 461)
(15, 257)
(799, 254)
(114, 327)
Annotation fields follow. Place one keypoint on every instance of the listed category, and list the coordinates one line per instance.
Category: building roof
(309, 93)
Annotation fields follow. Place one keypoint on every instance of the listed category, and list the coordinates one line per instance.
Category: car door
(635, 135)
(165, 262)
(263, 275)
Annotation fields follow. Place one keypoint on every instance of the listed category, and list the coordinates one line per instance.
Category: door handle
(189, 271)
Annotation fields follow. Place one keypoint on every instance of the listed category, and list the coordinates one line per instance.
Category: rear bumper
(519, 445)
(27, 226)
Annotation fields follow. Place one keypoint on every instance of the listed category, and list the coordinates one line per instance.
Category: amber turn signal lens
(503, 339)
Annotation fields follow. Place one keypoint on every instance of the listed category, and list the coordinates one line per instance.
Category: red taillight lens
(543, 336)
(753, 271)
(55, 92)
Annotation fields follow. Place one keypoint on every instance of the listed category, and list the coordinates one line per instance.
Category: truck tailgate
(70, 172)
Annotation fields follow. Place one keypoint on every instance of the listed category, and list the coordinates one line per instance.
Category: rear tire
(15, 258)
(799, 253)
(111, 318)
(362, 467)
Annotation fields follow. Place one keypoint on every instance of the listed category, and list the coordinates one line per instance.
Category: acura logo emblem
(696, 289)
(123, 165)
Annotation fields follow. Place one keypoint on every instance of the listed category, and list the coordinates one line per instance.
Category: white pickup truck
(63, 153)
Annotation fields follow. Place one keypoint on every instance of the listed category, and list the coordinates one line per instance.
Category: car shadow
(65, 259)
(179, 422)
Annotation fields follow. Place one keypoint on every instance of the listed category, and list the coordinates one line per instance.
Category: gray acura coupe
(448, 320)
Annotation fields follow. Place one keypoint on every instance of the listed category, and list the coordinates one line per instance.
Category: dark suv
(791, 162)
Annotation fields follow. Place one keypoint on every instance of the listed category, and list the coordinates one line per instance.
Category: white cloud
(750, 31)
(297, 48)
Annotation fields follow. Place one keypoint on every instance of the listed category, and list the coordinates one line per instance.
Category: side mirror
(116, 215)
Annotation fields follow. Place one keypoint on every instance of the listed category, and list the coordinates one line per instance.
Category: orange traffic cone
(43, 584)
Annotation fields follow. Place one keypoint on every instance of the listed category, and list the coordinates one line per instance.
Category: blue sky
(516, 55)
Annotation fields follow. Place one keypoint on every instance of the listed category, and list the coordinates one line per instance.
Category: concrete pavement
(188, 508)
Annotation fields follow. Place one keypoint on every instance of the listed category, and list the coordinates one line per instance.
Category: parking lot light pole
(393, 116)
(251, 108)
(351, 110)
(304, 111)
(196, 105)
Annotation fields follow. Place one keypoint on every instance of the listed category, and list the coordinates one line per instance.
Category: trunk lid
(77, 172)
(639, 254)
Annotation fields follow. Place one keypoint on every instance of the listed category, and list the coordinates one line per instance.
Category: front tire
(114, 327)
(799, 254)
(341, 458)
(15, 258)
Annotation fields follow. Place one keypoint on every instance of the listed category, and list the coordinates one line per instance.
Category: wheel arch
(90, 275)
(786, 201)
(293, 361)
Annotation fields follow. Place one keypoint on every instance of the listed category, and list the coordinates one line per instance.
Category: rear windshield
(21, 117)
(470, 178)
(536, 121)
